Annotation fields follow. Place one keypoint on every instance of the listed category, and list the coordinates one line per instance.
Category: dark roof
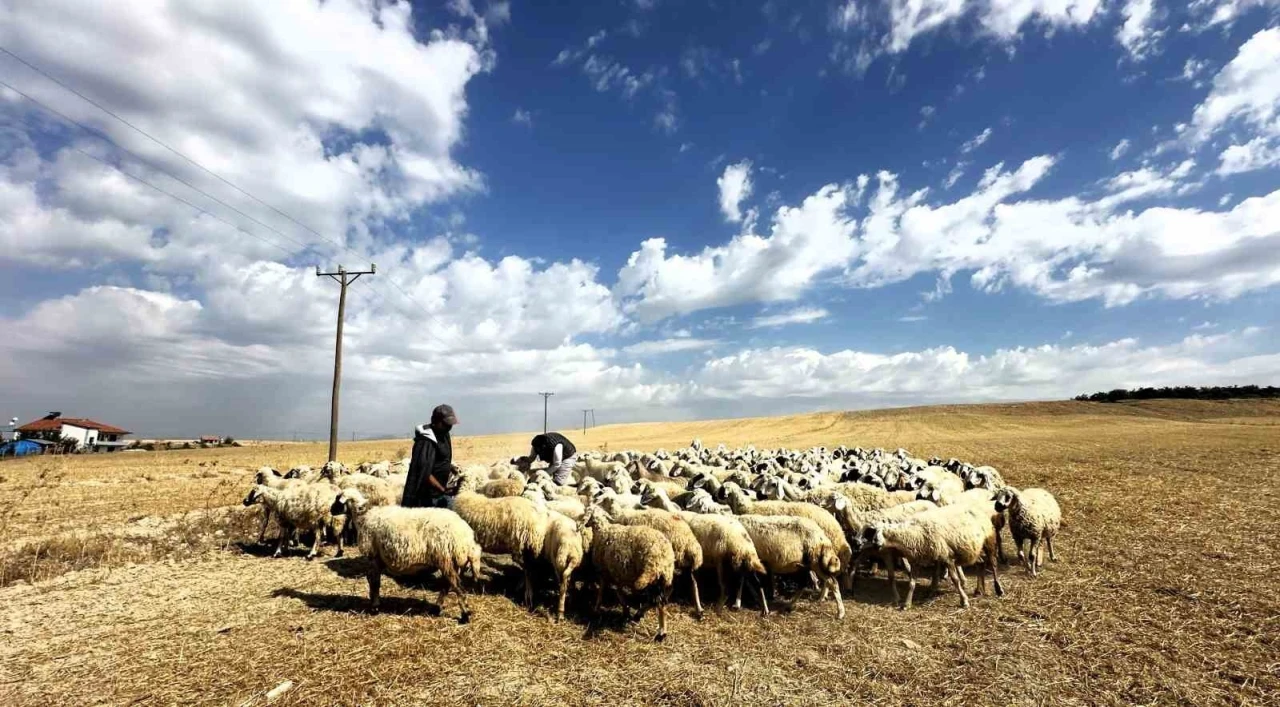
(56, 424)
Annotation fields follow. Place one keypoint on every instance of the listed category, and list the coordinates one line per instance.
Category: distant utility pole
(545, 396)
(344, 278)
(584, 420)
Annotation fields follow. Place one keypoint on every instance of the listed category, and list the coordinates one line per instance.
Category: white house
(90, 436)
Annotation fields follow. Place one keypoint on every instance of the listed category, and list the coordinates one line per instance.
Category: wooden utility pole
(584, 421)
(344, 278)
(545, 396)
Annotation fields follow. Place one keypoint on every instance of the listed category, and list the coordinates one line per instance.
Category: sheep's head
(588, 486)
(255, 496)
(595, 518)
(295, 472)
(349, 501)
(929, 492)
(735, 497)
(1004, 498)
(873, 480)
(873, 538)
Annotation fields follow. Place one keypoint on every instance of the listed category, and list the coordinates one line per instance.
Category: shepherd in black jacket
(431, 462)
(559, 454)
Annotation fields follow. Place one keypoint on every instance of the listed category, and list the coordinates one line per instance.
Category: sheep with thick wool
(742, 505)
(302, 506)
(727, 548)
(1034, 516)
(511, 525)
(790, 544)
(631, 559)
(685, 545)
(953, 537)
(268, 476)
(403, 542)
(563, 548)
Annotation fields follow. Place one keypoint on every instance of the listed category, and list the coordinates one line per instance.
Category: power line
(105, 137)
(177, 198)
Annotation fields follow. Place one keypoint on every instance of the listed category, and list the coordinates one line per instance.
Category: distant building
(90, 436)
(210, 439)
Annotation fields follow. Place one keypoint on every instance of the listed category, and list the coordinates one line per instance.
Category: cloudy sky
(657, 209)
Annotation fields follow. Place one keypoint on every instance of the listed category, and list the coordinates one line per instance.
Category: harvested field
(125, 580)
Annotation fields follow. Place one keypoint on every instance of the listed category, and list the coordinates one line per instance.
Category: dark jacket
(432, 456)
(544, 446)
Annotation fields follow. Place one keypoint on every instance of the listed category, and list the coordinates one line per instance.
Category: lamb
(1034, 515)
(563, 549)
(727, 548)
(788, 544)
(504, 526)
(403, 542)
(685, 545)
(740, 504)
(631, 559)
(300, 507)
(952, 537)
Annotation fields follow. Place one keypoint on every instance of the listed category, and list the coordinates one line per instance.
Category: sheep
(402, 542)
(563, 549)
(376, 491)
(268, 476)
(855, 524)
(1034, 515)
(500, 488)
(789, 544)
(985, 477)
(300, 507)
(741, 505)
(699, 501)
(944, 492)
(685, 545)
(600, 471)
(631, 559)
(861, 497)
(303, 472)
(727, 548)
(504, 526)
(952, 537)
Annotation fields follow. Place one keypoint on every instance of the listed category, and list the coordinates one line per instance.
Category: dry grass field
(127, 579)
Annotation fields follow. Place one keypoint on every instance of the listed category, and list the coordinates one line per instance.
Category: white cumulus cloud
(735, 187)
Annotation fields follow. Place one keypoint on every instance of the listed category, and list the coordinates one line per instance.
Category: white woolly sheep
(685, 545)
(953, 537)
(403, 542)
(788, 544)
(563, 549)
(727, 548)
(268, 476)
(1034, 515)
(305, 507)
(505, 526)
(741, 505)
(630, 559)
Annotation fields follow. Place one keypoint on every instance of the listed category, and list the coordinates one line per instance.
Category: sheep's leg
(465, 616)
(1033, 546)
(911, 584)
(526, 563)
(599, 597)
(835, 589)
(891, 567)
(443, 593)
(341, 536)
(564, 590)
(737, 602)
(1048, 540)
(697, 599)
(773, 586)
(995, 576)
(266, 518)
(315, 544)
(817, 585)
(764, 604)
(1022, 557)
(662, 617)
(724, 589)
(1000, 543)
(286, 534)
(622, 601)
(375, 586)
(958, 580)
(937, 579)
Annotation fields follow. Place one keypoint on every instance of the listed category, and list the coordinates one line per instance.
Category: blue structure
(20, 448)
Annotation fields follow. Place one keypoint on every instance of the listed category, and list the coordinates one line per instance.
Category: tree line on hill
(1183, 392)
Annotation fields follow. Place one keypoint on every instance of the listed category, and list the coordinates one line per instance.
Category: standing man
(558, 453)
(431, 462)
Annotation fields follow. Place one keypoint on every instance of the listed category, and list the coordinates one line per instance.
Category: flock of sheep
(638, 522)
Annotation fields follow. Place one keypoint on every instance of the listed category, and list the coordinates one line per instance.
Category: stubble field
(129, 579)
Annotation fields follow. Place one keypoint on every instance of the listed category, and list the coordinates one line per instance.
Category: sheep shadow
(359, 604)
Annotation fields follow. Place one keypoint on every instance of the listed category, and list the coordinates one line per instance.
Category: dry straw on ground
(1165, 592)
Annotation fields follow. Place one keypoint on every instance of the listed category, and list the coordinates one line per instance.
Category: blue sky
(859, 204)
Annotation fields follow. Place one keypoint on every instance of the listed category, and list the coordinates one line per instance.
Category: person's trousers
(562, 473)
